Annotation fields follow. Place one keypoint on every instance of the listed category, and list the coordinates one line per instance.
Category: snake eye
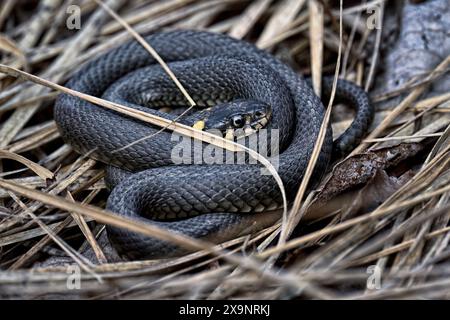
(238, 121)
(259, 114)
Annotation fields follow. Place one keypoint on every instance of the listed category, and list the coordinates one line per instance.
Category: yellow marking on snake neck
(200, 125)
(230, 135)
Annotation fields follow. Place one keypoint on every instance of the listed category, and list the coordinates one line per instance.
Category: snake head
(237, 119)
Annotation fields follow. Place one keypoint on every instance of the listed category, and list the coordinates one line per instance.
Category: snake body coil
(208, 201)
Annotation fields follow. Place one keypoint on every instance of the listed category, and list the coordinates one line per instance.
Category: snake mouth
(250, 127)
(236, 119)
(232, 134)
(239, 125)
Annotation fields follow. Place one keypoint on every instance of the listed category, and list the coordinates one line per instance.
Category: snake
(237, 87)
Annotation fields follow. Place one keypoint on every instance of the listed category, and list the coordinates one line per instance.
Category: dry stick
(58, 19)
(293, 216)
(202, 19)
(9, 46)
(104, 216)
(442, 100)
(419, 239)
(360, 7)
(396, 293)
(400, 108)
(439, 245)
(33, 181)
(39, 21)
(34, 129)
(146, 27)
(28, 234)
(34, 141)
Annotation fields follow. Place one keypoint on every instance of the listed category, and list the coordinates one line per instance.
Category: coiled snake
(209, 201)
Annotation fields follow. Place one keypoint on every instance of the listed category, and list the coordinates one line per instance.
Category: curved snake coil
(210, 201)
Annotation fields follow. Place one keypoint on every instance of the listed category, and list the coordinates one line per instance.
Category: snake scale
(213, 202)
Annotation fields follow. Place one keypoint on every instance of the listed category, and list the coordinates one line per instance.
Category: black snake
(208, 201)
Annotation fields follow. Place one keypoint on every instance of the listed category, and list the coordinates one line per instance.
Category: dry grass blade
(443, 141)
(280, 20)
(316, 35)
(249, 18)
(294, 217)
(376, 52)
(39, 170)
(88, 233)
(9, 46)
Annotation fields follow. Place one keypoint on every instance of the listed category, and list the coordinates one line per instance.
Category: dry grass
(52, 199)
